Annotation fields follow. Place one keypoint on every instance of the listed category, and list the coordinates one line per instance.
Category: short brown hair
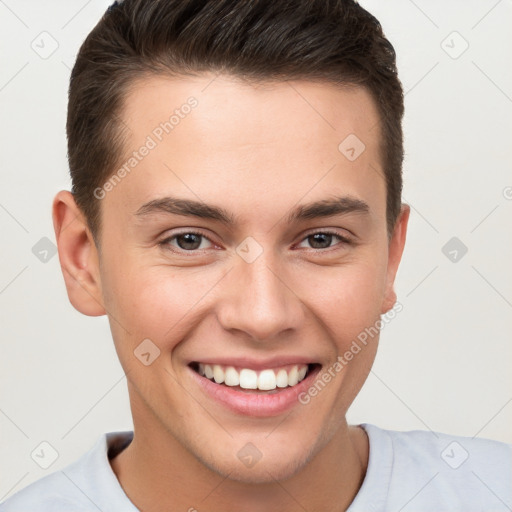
(336, 41)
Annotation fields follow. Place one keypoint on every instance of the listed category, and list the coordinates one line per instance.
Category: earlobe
(396, 248)
(78, 256)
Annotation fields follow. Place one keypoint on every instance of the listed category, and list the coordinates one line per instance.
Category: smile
(258, 391)
(246, 378)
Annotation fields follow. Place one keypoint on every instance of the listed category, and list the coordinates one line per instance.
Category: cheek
(156, 302)
(163, 303)
(346, 299)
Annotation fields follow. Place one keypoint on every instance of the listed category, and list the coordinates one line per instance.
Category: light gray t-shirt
(415, 471)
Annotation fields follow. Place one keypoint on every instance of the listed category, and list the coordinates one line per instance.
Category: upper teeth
(250, 379)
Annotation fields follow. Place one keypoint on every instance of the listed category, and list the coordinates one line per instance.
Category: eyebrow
(337, 205)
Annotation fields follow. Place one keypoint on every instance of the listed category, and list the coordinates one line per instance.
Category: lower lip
(254, 403)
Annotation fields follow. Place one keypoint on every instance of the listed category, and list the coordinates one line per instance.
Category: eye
(188, 241)
(323, 239)
(193, 241)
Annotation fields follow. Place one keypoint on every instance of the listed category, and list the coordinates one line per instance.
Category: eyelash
(166, 242)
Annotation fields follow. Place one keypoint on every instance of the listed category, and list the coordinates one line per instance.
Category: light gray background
(444, 362)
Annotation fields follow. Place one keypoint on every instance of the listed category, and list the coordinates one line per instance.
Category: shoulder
(451, 454)
(444, 470)
(82, 486)
(52, 493)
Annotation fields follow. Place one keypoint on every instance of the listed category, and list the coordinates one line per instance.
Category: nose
(259, 301)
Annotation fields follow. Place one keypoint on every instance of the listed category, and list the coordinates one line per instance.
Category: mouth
(249, 380)
(251, 391)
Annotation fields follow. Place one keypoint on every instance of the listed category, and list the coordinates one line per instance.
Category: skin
(258, 151)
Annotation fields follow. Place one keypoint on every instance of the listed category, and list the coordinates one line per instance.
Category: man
(236, 212)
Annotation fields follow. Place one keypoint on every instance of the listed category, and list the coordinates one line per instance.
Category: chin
(273, 463)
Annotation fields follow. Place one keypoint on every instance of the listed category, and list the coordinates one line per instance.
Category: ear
(78, 256)
(396, 248)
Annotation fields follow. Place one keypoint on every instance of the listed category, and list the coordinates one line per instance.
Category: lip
(255, 404)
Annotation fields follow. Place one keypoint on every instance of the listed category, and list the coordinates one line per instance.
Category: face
(249, 249)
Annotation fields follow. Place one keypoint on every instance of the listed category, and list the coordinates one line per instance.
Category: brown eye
(188, 241)
(323, 240)
(320, 240)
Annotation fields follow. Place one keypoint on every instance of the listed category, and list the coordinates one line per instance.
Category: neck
(158, 473)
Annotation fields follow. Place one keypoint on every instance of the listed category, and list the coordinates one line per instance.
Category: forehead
(303, 108)
(220, 136)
